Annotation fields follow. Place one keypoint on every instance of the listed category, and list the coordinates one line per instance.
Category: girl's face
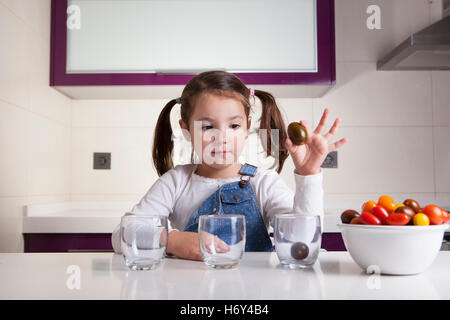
(218, 128)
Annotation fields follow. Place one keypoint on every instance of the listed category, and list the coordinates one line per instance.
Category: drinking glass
(297, 239)
(222, 240)
(143, 240)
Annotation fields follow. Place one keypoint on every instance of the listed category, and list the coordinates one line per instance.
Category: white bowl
(396, 250)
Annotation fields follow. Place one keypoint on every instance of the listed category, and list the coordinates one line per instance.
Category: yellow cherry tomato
(398, 205)
(387, 202)
(421, 219)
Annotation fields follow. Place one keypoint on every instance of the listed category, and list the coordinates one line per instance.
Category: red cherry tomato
(398, 219)
(369, 218)
(445, 215)
(381, 213)
(434, 213)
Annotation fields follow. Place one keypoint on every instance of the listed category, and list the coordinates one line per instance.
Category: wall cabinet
(151, 48)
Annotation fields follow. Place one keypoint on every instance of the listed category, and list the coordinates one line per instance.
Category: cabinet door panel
(147, 36)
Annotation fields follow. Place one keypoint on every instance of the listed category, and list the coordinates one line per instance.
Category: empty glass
(297, 239)
(222, 240)
(143, 240)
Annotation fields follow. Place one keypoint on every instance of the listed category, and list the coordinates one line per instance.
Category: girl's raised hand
(309, 157)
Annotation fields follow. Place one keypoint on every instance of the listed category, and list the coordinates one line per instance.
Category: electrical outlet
(102, 160)
(331, 161)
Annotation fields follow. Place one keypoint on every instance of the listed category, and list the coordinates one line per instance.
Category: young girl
(215, 107)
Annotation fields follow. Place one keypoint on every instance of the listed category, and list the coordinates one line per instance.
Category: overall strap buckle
(244, 182)
(246, 172)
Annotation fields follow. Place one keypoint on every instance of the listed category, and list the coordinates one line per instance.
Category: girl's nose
(220, 137)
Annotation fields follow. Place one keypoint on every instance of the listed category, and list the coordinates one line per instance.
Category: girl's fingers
(322, 122)
(337, 144)
(333, 129)
(290, 146)
(221, 245)
(213, 244)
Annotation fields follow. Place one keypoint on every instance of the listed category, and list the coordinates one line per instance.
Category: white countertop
(100, 217)
(103, 217)
(259, 276)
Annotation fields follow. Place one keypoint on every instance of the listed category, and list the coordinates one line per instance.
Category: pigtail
(271, 118)
(162, 143)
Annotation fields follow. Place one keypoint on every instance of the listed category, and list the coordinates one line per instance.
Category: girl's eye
(204, 128)
(235, 126)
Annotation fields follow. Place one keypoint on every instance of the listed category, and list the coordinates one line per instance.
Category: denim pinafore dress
(237, 198)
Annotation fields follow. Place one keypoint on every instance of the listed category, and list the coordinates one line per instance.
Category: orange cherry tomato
(398, 219)
(434, 213)
(368, 206)
(387, 202)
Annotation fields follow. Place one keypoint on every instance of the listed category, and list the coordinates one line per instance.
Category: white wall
(35, 120)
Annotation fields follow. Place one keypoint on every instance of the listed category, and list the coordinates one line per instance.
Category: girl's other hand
(309, 157)
(185, 245)
(212, 243)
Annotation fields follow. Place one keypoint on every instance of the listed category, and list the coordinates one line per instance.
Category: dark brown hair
(224, 84)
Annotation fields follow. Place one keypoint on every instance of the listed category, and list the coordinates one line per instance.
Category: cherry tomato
(434, 213)
(368, 206)
(398, 205)
(356, 220)
(381, 213)
(421, 219)
(398, 219)
(369, 218)
(387, 202)
(412, 204)
(445, 215)
(348, 215)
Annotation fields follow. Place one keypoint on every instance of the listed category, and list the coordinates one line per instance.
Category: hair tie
(178, 100)
(252, 92)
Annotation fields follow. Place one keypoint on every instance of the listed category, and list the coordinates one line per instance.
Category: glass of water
(297, 239)
(143, 240)
(222, 240)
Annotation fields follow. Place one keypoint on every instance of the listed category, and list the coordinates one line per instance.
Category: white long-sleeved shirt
(180, 191)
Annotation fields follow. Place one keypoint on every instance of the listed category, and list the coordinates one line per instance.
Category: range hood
(428, 49)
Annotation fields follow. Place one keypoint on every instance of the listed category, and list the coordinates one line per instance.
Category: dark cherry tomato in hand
(398, 219)
(369, 218)
(381, 213)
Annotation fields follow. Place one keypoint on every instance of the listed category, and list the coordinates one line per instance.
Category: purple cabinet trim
(326, 74)
(65, 242)
(333, 242)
